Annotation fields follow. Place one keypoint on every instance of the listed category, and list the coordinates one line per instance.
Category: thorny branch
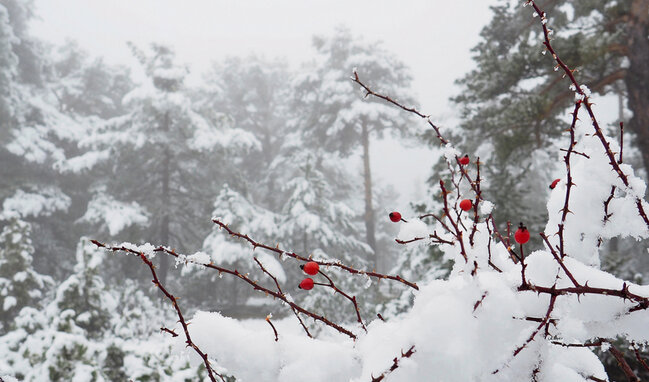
(174, 301)
(397, 104)
(587, 104)
(279, 289)
(395, 364)
(624, 365)
(340, 265)
(243, 277)
(352, 299)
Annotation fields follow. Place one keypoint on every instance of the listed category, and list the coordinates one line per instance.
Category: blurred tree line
(87, 151)
(90, 152)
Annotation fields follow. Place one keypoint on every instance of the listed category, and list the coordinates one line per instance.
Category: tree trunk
(164, 221)
(369, 208)
(637, 78)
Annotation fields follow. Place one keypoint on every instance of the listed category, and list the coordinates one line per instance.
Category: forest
(249, 199)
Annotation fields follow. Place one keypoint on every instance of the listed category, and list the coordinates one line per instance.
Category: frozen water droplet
(368, 281)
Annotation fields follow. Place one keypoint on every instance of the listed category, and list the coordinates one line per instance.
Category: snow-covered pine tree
(20, 285)
(333, 117)
(514, 102)
(81, 333)
(160, 150)
(317, 220)
(288, 193)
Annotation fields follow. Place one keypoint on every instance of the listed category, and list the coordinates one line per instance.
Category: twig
(280, 253)
(279, 289)
(638, 356)
(619, 357)
(244, 278)
(174, 301)
(619, 161)
(272, 326)
(559, 260)
(397, 104)
(173, 334)
(395, 364)
(352, 299)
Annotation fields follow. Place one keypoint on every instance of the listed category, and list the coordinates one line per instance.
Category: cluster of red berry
(311, 268)
(522, 235)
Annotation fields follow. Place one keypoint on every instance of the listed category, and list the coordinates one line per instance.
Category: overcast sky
(433, 37)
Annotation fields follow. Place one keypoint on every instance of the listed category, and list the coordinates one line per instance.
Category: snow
(113, 214)
(44, 202)
(414, 228)
(273, 266)
(9, 302)
(479, 313)
(486, 207)
(147, 249)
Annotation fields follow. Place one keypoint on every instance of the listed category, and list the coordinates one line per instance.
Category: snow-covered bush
(506, 312)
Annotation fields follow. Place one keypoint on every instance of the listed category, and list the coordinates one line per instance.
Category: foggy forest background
(283, 154)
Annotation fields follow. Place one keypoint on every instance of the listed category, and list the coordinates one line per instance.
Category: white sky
(433, 37)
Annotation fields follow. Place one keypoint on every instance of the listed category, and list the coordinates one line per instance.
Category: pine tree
(514, 105)
(335, 117)
(81, 333)
(158, 155)
(287, 193)
(20, 285)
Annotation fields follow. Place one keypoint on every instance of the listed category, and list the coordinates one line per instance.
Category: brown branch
(569, 182)
(638, 356)
(273, 326)
(244, 278)
(279, 289)
(435, 239)
(559, 260)
(623, 292)
(584, 345)
(619, 357)
(281, 253)
(352, 299)
(173, 334)
(544, 322)
(586, 101)
(174, 301)
(447, 212)
(478, 198)
(479, 302)
(369, 92)
(395, 364)
(619, 161)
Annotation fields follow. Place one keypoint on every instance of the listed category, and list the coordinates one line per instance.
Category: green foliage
(515, 106)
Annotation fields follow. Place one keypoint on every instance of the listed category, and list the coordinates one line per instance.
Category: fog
(433, 38)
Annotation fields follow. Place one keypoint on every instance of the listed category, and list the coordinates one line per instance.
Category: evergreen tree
(81, 333)
(158, 154)
(288, 192)
(515, 106)
(40, 128)
(336, 118)
(20, 284)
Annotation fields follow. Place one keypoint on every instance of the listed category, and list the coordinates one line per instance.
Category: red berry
(395, 217)
(466, 205)
(311, 268)
(306, 284)
(464, 160)
(522, 235)
(554, 183)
